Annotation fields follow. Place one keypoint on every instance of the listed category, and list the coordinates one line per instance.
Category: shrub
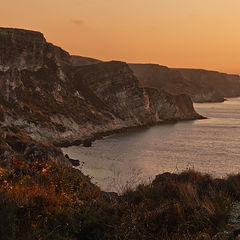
(40, 200)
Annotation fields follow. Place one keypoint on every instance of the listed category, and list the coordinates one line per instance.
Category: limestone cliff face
(171, 107)
(115, 88)
(201, 85)
(49, 98)
(21, 49)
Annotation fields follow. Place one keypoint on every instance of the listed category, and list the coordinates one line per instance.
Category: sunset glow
(176, 33)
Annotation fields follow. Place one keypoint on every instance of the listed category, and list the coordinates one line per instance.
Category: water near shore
(209, 146)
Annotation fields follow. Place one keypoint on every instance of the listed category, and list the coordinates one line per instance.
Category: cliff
(51, 99)
(201, 85)
(215, 86)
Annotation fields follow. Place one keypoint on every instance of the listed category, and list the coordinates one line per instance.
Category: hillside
(201, 85)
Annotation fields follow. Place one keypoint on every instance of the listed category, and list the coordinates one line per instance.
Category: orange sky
(176, 33)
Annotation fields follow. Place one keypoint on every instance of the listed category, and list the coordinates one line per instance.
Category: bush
(39, 200)
(43, 201)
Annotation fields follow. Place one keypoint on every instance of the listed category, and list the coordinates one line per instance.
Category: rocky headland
(200, 85)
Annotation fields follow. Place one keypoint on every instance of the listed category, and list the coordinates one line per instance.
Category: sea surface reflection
(209, 146)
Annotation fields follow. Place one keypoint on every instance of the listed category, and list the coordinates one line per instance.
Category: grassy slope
(42, 201)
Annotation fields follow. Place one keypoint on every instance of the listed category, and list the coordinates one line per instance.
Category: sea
(135, 157)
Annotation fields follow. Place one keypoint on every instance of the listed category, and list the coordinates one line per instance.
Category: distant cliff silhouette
(201, 85)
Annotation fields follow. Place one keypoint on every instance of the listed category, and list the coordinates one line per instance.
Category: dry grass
(42, 201)
(184, 205)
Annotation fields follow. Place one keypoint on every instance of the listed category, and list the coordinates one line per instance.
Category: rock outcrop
(200, 85)
(51, 99)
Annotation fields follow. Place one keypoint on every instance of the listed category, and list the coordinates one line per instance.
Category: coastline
(101, 135)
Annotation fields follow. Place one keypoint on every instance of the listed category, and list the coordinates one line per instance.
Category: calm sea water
(209, 146)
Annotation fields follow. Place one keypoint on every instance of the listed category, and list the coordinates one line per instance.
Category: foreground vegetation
(40, 200)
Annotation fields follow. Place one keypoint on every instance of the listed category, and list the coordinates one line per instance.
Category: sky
(175, 33)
